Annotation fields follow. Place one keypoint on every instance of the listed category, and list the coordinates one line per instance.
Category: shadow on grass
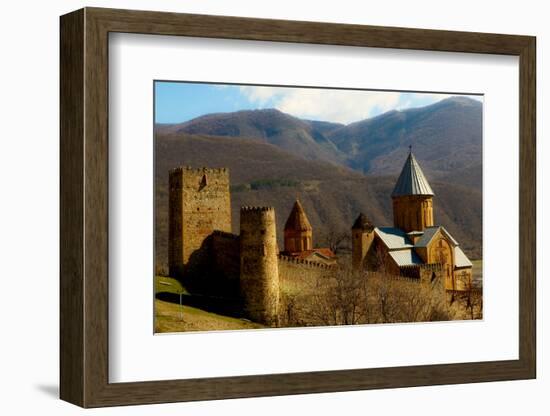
(218, 305)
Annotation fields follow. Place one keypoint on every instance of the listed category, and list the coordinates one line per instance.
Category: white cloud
(343, 106)
(338, 105)
(262, 95)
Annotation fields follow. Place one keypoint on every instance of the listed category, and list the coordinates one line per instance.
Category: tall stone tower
(412, 198)
(259, 264)
(298, 231)
(199, 203)
(362, 237)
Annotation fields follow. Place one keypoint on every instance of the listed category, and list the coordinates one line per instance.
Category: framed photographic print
(256, 207)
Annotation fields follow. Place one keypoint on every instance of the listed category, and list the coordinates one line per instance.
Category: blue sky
(176, 102)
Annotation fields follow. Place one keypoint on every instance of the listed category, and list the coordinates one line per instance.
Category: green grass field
(165, 284)
(171, 317)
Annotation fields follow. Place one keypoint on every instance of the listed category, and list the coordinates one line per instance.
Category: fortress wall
(429, 275)
(463, 279)
(296, 274)
(434, 275)
(313, 295)
(226, 255)
(393, 278)
(304, 275)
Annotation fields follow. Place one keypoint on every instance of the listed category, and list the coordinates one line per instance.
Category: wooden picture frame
(84, 207)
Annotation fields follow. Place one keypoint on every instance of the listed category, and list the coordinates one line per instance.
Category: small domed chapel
(298, 239)
(206, 256)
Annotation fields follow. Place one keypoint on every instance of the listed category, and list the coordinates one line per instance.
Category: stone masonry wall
(361, 243)
(199, 205)
(413, 212)
(259, 278)
(296, 274)
(226, 254)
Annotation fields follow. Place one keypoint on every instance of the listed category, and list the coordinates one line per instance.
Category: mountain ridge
(336, 170)
(445, 136)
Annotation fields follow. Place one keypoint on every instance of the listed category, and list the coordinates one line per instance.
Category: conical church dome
(412, 180)
(298, 231)
(297, 220)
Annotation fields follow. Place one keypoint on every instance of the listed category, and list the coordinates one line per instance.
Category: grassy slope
(168, 318)
(165, 284)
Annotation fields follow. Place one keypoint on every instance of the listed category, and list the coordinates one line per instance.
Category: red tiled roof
(325, 252)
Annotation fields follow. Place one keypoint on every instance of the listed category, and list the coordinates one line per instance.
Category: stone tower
(298, 231)
(362, 237)
(199, 204)
(412, 198)
(259, 264)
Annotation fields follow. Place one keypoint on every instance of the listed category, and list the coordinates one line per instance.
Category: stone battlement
(256, 209)
(394, 277)
(190, 169)
(436, 267)
(307, 263)
(259, 280)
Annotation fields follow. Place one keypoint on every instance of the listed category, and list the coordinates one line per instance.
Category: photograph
(292, 206)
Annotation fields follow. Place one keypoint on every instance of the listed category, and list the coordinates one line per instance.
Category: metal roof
(405, 257)
(402, 250)
(429, 234)
(412, 181)
(461, 260)
(393, 238)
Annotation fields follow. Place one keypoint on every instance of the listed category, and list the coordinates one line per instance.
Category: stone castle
(208, 258)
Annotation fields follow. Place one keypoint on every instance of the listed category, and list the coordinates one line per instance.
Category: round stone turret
(259, 264)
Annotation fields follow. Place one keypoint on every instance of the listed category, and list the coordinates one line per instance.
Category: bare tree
(336, 240)
(472, 297)
(338, 299)
(344, 297)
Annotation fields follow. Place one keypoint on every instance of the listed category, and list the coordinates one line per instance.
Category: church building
(413, 243)
(298, 237)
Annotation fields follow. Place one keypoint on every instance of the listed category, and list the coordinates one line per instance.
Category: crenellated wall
(431, 275)
(296, 274)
